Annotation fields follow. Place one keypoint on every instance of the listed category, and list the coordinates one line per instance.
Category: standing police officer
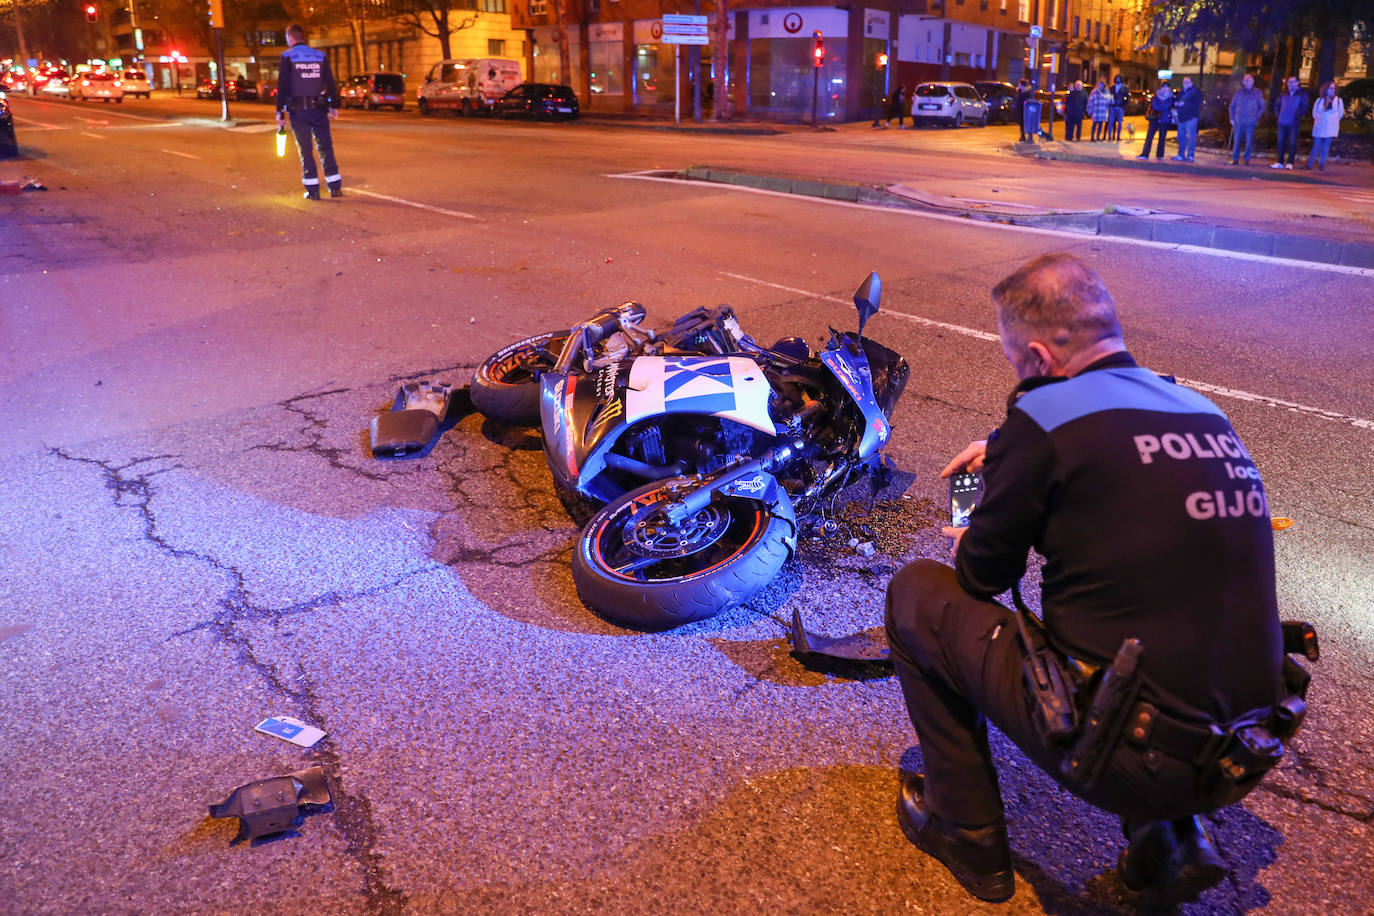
(306, 88)
(1153, 524)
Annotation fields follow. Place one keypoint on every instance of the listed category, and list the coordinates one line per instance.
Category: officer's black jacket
(1153, 523)
(304, 74)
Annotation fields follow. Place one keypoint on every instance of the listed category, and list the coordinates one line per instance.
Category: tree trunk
(722, 61)
(564, 58)
(1326, 55)
(444, 34)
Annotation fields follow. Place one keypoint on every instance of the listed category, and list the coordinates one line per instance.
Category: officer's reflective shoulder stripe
(304, 53)
(1051, 406)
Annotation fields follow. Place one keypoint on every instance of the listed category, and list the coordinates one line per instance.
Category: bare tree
(722, 61)
(440, 19)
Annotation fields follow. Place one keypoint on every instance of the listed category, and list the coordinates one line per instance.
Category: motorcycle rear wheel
(640, 573)
(505, 388)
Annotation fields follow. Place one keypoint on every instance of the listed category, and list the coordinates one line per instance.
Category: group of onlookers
(1167, 111)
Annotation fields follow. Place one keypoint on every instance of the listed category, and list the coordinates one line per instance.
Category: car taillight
(85, 82)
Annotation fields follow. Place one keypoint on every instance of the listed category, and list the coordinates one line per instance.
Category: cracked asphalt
(194, 537)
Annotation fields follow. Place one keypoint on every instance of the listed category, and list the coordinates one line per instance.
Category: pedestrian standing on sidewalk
(1099, 107)
(1075, 107)
(896, 108)
(306, 88)
(1120, 95)
(1289, 107)
(1161, 118)
(1023, 94)
(1189, 107)
(1327, 112)
(1246, 107)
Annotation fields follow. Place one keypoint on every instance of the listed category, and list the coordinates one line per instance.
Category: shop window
(604, 59)
(1075, 27)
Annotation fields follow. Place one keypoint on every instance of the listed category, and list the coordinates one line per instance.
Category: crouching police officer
(306, 88)
(1158, 554)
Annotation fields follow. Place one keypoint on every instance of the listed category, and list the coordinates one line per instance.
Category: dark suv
(537, 100)
(1001, 99)
(374, 90)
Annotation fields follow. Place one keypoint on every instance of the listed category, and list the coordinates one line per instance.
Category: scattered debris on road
(273, 806)
(413, 421)
(17, 187)
(863, 656)
(289, 729)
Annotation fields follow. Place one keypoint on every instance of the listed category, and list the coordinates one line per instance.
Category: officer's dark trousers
(959, 662)
(305, 124)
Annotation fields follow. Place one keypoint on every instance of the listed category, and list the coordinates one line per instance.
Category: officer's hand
(333, 114)
(971, 459)
(281, 119)
(955, 535)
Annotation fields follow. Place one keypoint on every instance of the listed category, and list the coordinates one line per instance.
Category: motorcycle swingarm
(858, 657)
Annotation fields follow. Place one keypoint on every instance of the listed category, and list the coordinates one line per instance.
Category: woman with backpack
(1327, 112)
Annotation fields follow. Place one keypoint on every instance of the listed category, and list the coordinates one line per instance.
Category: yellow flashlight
(281, 142)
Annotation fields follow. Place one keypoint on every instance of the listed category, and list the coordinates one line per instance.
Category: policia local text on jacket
(306, 89)
(1153, 524)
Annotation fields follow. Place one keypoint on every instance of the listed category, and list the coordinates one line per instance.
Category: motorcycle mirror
(866, 299)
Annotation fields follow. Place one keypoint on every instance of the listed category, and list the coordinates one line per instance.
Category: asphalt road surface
(195, 535)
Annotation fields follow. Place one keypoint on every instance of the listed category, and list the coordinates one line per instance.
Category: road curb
(1263, 173)
(743, 130)
(1289, 246)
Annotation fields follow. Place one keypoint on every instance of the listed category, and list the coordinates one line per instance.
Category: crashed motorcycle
(702, 446)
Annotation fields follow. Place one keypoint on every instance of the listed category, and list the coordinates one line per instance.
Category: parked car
(467, 86)
(136, 83)
(1000, 99)
(1138, 103)
(374, 90)
(1044, 98)
(102, 84)
(9, 145)
(953, 103)
(538, 100)
(240, 89)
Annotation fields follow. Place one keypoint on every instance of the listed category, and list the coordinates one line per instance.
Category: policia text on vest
(306, 89)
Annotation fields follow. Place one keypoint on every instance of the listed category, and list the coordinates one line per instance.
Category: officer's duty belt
(1147, 727)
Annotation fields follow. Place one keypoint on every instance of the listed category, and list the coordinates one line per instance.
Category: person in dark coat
(1188, 109)
(1289, 109)
(1075, 108)
(1023, 95)
(1117, 115)
(1161, 118)
(306, 89)
(896, 108)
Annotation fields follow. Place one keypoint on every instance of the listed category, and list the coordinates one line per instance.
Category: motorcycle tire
(730, 550)
(505, 388)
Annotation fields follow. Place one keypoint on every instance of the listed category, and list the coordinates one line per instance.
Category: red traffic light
(90, 13)
(882, 61)
(818, 53)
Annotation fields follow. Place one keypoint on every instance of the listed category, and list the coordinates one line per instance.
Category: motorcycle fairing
(849, 365)
(730, 387)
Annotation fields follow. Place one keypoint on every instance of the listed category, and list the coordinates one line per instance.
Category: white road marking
(411, 203)
(1006, 227)
(43, 124)
(87, 133)
(1204, 387)
(131, 117)
(93, 122)
(253, 128)
(174, 152)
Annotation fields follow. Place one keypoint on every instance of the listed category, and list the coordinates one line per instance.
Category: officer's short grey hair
(1058, 298)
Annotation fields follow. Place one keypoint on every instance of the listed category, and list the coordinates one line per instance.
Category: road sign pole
(677, 85)
(223, 82)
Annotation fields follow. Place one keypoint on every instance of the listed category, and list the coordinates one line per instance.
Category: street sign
(1035, 31)
(685, 30)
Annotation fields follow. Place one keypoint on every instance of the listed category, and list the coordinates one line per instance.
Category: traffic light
(818, 52)
(882, 60)
(217, 14)
(90, 12)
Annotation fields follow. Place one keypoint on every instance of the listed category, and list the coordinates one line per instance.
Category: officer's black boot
(1169, 862)
(336, 189)
(312, 193)
(979, 858)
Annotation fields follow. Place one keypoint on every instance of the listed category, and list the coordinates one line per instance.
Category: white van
(467, 85)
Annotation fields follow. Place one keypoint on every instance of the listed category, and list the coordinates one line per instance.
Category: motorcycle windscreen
(731, 387)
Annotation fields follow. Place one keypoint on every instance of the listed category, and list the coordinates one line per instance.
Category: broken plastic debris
(1279, 523)
(289, 729)
(273, 806)
(861, 656)
(415, 416)
(866, 549)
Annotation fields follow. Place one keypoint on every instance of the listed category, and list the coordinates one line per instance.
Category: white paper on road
(289, 729)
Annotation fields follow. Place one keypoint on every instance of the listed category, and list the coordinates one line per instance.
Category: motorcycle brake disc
(648, 533)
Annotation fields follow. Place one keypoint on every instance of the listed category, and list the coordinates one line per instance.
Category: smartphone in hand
(965, 492)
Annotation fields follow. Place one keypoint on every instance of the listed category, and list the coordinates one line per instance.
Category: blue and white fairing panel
(730, 387)
(850, 367)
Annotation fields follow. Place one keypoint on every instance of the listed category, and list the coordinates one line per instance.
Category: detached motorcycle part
(414, 419)
(638, 569)
(505, 388)
(859, 657)
(272, 806)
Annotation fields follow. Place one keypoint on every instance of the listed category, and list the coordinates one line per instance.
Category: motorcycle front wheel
(505, 388)
(637, 570)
